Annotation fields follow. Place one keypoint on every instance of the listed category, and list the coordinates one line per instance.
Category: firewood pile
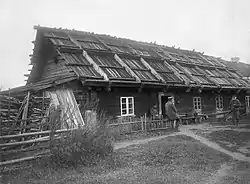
(23, 116)
(37, 110)
(9, 108)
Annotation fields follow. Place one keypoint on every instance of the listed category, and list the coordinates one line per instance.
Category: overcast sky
(216, 27)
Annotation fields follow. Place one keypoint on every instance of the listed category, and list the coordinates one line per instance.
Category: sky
(216, 27)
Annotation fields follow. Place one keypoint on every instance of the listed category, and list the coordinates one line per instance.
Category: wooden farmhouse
(126, 78)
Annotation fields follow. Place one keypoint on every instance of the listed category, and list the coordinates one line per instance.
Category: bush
(81, 146)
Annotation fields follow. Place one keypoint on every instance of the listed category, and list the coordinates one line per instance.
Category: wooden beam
(166, 53)
(185, 56)
(127, 68)
(119, 60)
(152, 70)
(95, 66)
(204, 58)
(175, 72)
(89, 59)
(188, 74)
(77, 64)
(25, 111)
(33, 134)
(103, 43)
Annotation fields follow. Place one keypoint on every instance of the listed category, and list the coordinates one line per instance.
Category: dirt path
(226, 168)
(237, 156)
(184, 130)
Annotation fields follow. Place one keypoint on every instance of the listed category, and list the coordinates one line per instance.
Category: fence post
(145, 117)
(142, 124)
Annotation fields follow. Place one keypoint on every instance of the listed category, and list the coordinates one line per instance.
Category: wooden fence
(31, 145)
(26, 146)
(144, 124)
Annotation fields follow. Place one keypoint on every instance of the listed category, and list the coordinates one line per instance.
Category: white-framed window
(197, 104)
(219, 103)
(247, 101)
(127, 106)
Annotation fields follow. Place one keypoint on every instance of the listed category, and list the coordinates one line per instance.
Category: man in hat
(235, 110)
(171, 112)
(154, 112)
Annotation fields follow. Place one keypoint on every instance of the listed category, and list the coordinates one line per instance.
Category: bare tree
(235, 59)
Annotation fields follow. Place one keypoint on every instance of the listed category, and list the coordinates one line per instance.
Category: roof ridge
(117, 38)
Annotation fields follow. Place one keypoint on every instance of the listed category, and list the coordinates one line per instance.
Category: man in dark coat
(235, 110)
(171, 112)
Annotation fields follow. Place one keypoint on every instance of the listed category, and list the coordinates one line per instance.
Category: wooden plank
(70, 110)
(127, 68)
(89, 59)
(28, 119)
(19, 113)
(21, 143)
(41, 154)
(78, 64)
(153, 71)
(25, 112)
(33, 134)
(9, 106)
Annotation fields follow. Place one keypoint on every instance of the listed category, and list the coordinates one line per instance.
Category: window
(127, 106)
(248, 101)
(219, 103)
(197, 104)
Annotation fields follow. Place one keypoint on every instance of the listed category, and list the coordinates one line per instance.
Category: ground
(232, 138)
(196, 154)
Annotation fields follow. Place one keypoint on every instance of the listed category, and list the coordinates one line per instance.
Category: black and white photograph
(125, 92)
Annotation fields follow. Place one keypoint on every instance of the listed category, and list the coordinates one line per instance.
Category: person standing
(171, 112)
(154, 112)
(235, 110)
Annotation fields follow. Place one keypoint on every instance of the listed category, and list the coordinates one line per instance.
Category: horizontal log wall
(143, 101)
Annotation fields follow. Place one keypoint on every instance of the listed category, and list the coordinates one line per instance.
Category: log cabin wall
(208, 101)
(143, 101)
(109, 101)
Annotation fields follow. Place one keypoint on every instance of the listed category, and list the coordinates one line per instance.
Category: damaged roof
(78, 55)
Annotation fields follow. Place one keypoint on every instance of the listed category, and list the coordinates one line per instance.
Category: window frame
(127, 108)
(219, 100)
(247, 99)
(196, 106)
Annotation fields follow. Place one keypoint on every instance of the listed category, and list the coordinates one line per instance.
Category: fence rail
(16, 149)
(31, 145)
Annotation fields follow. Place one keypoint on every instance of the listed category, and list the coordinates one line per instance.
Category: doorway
(163, 98)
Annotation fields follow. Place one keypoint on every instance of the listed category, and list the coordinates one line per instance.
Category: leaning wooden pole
(25, 112)
(9, 105)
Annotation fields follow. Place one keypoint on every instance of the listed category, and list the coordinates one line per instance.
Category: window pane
(124, 112)
(123, 100)
(123, 106)
(130, 111)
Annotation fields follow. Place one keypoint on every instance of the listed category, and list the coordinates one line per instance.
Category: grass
(141, 135)
(230, 139)
(177, 159)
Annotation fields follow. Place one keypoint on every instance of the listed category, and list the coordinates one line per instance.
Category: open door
(163, 98)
